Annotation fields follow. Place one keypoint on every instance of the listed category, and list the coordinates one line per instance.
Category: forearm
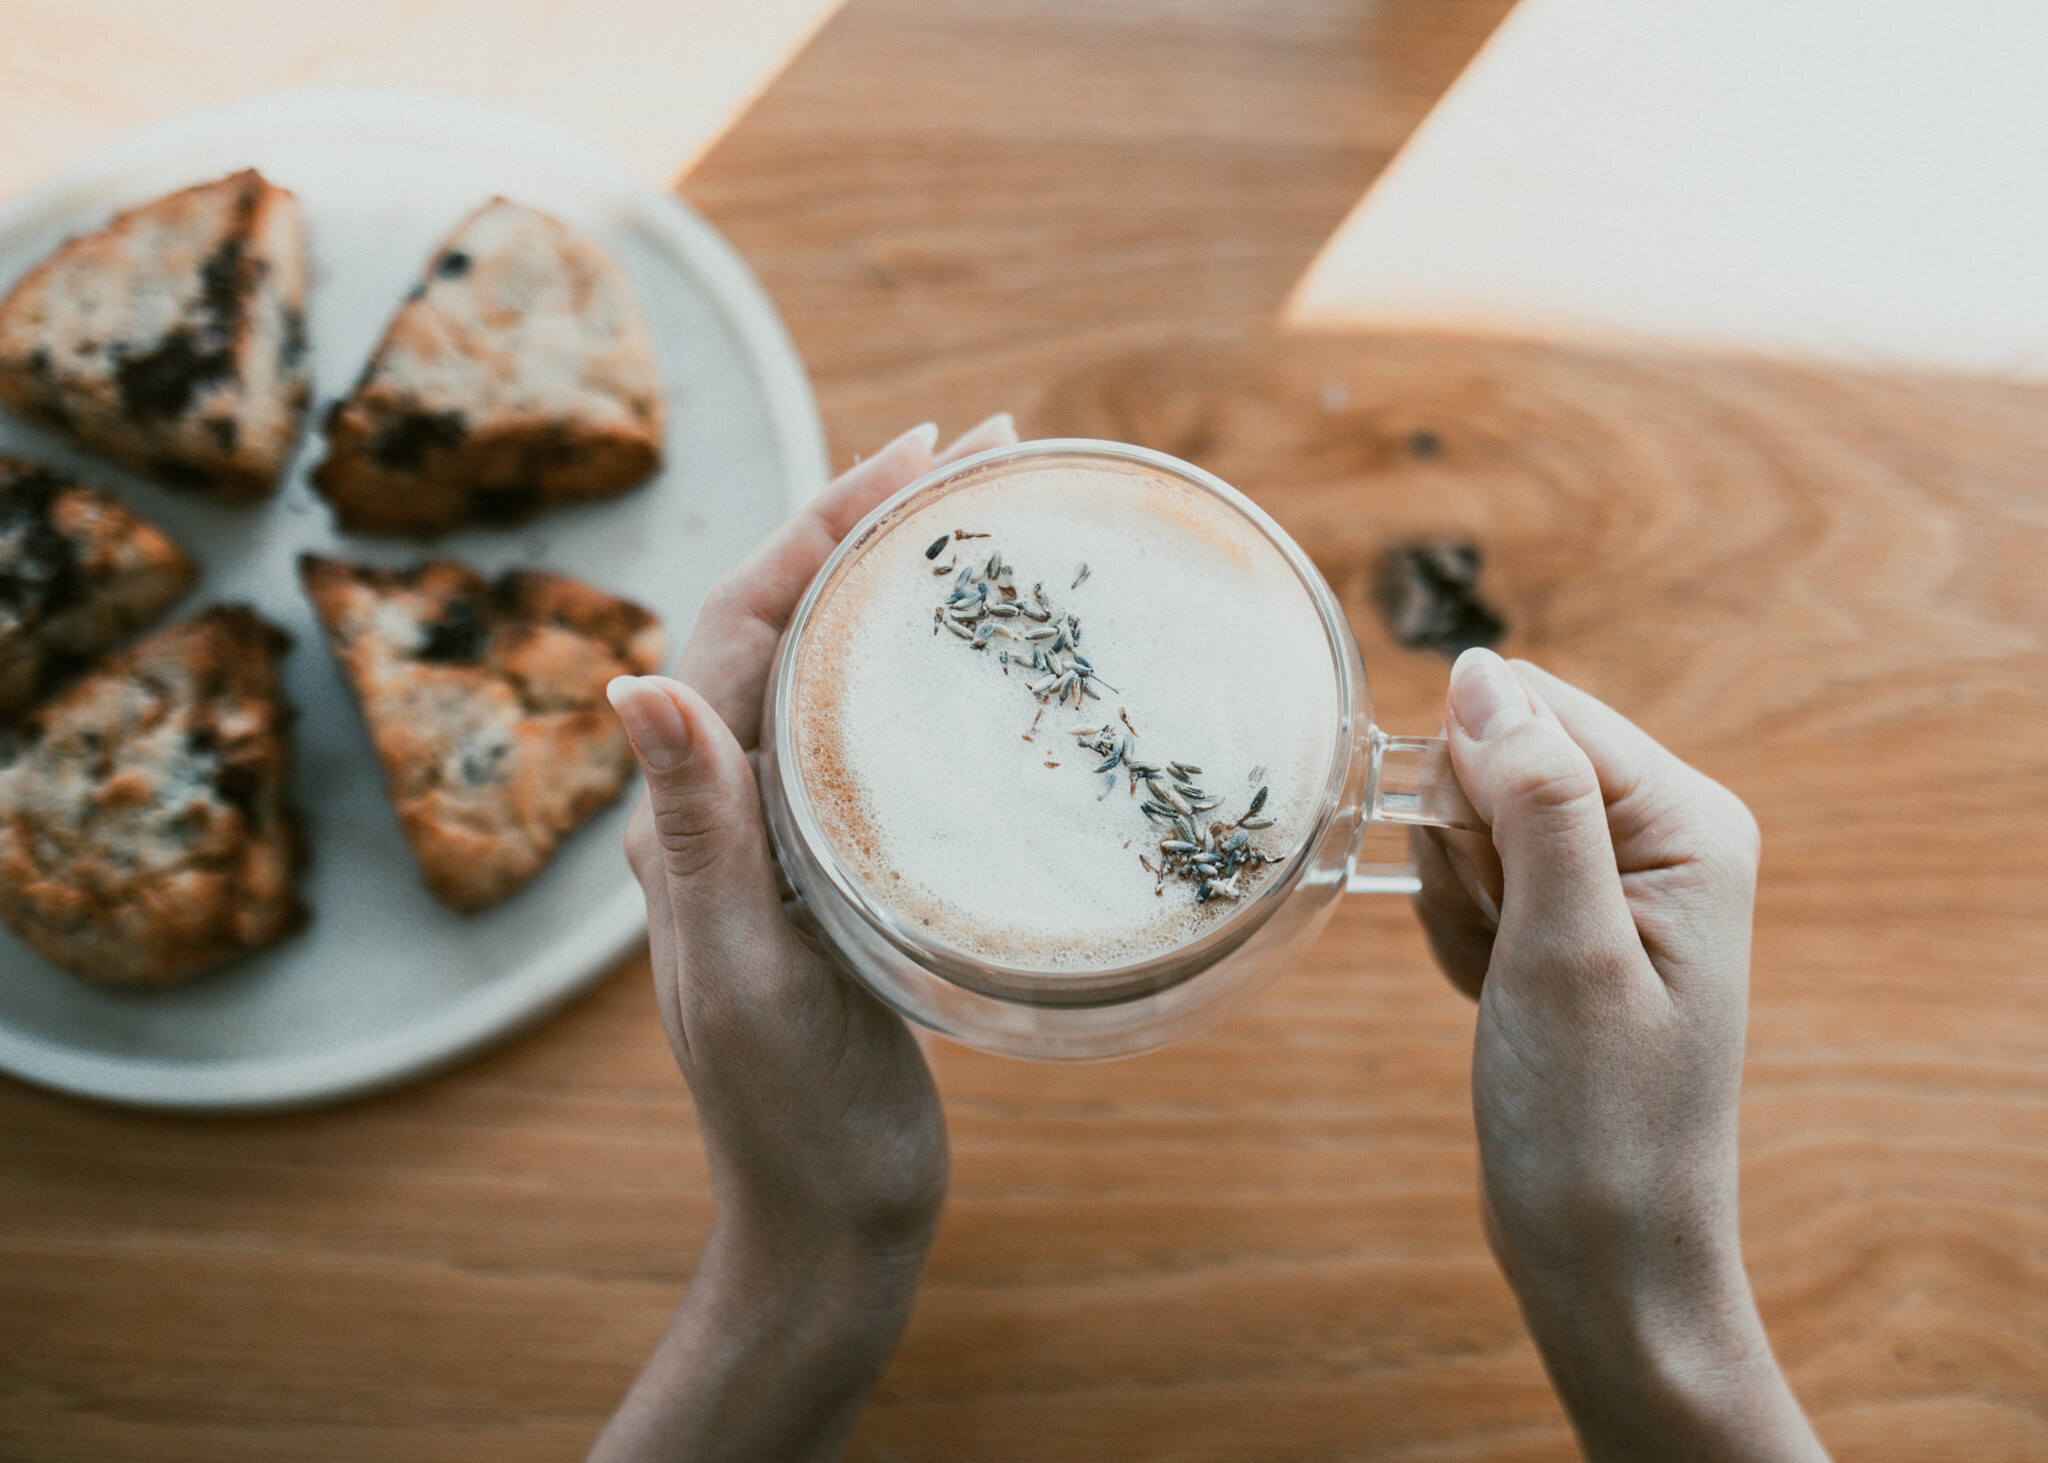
(1695, 1379)
(770, 1356)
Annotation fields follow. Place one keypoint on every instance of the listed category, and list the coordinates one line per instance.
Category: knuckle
(723, 610)
(732, 601)
(719, 600)
(689, 836)
(1743, 834)
(1732, 840)
(1558, 780)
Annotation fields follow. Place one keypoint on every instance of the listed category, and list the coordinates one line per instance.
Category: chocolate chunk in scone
(78, 572)
(518, 374)
(486, 705)
(174, 339)
(144, 829)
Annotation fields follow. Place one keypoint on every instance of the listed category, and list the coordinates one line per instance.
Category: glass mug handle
(1411, 781)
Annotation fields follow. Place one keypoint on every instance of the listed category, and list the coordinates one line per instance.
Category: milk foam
(913, 746)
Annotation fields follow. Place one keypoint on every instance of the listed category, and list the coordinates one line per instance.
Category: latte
(1064, 715)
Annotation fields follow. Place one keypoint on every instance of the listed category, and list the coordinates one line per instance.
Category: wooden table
(1826, 589)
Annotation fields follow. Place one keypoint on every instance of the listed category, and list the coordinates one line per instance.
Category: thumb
(706, 842)
(1536, 788)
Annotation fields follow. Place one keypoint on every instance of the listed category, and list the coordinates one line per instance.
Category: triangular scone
(144, 829)
(518, 374)
(174, 339)
(78, 572)
(486, 705)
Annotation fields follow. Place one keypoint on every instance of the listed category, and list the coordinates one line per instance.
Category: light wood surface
(653, 82)
(1825, 589)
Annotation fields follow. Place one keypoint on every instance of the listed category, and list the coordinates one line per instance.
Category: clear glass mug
(1069, 1016)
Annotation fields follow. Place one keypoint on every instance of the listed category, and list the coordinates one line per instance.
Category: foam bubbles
(913, 747)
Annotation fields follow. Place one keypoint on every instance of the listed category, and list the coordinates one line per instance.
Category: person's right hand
(1604, 926)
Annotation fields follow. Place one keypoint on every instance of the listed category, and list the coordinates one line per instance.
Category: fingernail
(1485, 696)
(1002, 424)
(926, 436)
(660, 736)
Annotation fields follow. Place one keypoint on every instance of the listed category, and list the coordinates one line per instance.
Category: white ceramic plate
(385, 984)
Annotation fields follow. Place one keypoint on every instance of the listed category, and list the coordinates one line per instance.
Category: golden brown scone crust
(519, 374)
(173, 340)
(486, 705)
(78, 573)
(145, 833)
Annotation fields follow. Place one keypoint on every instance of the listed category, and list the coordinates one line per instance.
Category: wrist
(1649, 1371)
(823, 1311)
(825, 1278)
(773, 1352)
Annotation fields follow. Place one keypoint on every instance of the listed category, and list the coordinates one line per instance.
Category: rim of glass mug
(1087, 1014)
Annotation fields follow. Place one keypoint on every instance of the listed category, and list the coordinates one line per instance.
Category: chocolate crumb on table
(1428, 596)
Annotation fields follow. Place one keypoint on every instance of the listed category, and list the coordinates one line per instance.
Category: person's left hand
(820, 1121)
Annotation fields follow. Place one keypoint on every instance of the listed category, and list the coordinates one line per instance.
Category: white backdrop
(1860, 181)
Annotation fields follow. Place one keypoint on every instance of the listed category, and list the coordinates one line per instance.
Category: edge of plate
(538, 989)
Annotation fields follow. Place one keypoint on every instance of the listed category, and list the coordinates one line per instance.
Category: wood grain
(1817, 587)
(1824, 588)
